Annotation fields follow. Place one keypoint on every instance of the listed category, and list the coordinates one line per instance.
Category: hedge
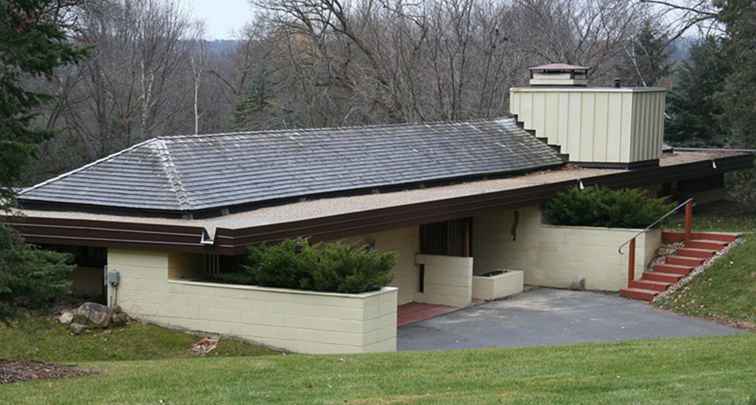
(603, 207)
(327, 267)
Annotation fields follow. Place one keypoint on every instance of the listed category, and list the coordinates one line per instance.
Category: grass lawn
(669, 371)
(43, 339)
(719, 216)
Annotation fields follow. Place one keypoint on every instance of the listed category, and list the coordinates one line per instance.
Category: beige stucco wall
(405, 242)
(300, 321)
(448, 280)
(595, 124)
(555, 256)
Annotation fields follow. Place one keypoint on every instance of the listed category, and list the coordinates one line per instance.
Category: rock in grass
(66, 317)
(94, 314)
(77, 328)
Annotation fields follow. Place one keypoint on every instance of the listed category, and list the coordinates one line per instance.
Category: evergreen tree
(694, 103)
(738, 95)
(33, 43)
(647, 61)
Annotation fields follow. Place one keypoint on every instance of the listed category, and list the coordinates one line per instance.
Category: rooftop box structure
(596, 126)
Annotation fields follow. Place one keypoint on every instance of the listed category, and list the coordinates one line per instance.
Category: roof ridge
(87, 166)
(386, 125)
(172, 174)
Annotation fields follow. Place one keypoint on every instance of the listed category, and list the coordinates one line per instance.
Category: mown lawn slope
(43, 339)
(672, 371)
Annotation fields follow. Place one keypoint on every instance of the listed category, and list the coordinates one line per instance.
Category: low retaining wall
(557, 256)
(447, 280)
(300, 321)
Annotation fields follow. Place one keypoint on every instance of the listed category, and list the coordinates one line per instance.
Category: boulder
(77, 328)
(119, 319)
(93, 314)
(66, 317)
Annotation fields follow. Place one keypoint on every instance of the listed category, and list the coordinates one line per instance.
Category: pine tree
(694, 102)
(647, 60)
(33, 43)
(738, 95)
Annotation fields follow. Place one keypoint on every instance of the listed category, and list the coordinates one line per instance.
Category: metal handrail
(648, 228)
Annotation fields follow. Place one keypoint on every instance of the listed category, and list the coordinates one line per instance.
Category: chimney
(609, 127)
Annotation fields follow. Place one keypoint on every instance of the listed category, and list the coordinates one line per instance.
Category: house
(453, 199)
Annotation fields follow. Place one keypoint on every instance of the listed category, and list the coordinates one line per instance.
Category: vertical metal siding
(595, 126)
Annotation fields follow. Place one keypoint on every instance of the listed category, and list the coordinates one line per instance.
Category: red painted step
(659, 276)
(685, 261)
(692, 252)
(673, 268)
(705, 244)
(671, 236)
(650, 285)
(638, 294)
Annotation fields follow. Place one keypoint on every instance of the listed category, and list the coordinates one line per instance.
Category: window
(451, 238)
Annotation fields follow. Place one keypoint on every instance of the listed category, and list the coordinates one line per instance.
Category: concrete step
(638, 294)
(673, 268)
(650, 285)
(659, 276)
(693, 252)
(706, 244)
(685, 261)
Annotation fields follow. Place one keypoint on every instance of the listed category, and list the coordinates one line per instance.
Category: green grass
(41, 338)
(669, 371)
(720, 216)
(726, 290)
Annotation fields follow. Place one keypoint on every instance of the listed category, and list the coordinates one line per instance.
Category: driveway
(546, 316)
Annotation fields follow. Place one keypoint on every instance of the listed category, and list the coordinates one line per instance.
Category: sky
(222, 17)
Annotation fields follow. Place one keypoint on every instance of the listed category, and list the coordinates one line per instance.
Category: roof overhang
(232, 234)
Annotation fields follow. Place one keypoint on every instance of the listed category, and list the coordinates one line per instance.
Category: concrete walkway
(552, 317)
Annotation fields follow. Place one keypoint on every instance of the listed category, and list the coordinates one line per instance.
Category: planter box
(498, 286)
(295, 320)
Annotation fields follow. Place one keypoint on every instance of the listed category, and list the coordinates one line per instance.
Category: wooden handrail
(688, 204)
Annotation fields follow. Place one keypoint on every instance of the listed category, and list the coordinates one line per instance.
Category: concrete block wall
(300, 321)
(405, 243)
(557, 256)
(448, 280)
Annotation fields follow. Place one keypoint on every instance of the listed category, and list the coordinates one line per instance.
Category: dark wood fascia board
(60, 231)
(623, 166)
(234, 241)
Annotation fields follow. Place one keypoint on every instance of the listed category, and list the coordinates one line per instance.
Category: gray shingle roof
(199, 172)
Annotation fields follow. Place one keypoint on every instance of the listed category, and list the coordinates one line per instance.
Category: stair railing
(688, 204)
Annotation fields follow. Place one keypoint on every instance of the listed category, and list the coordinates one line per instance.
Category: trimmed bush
(30, 278)
(603, 207)
(327, 267)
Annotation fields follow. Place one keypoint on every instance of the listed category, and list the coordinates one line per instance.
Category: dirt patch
(12, 371)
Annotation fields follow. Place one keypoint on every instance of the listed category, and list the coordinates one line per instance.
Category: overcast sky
(222, 17)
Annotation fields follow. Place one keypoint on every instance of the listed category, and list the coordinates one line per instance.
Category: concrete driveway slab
(543, 316)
